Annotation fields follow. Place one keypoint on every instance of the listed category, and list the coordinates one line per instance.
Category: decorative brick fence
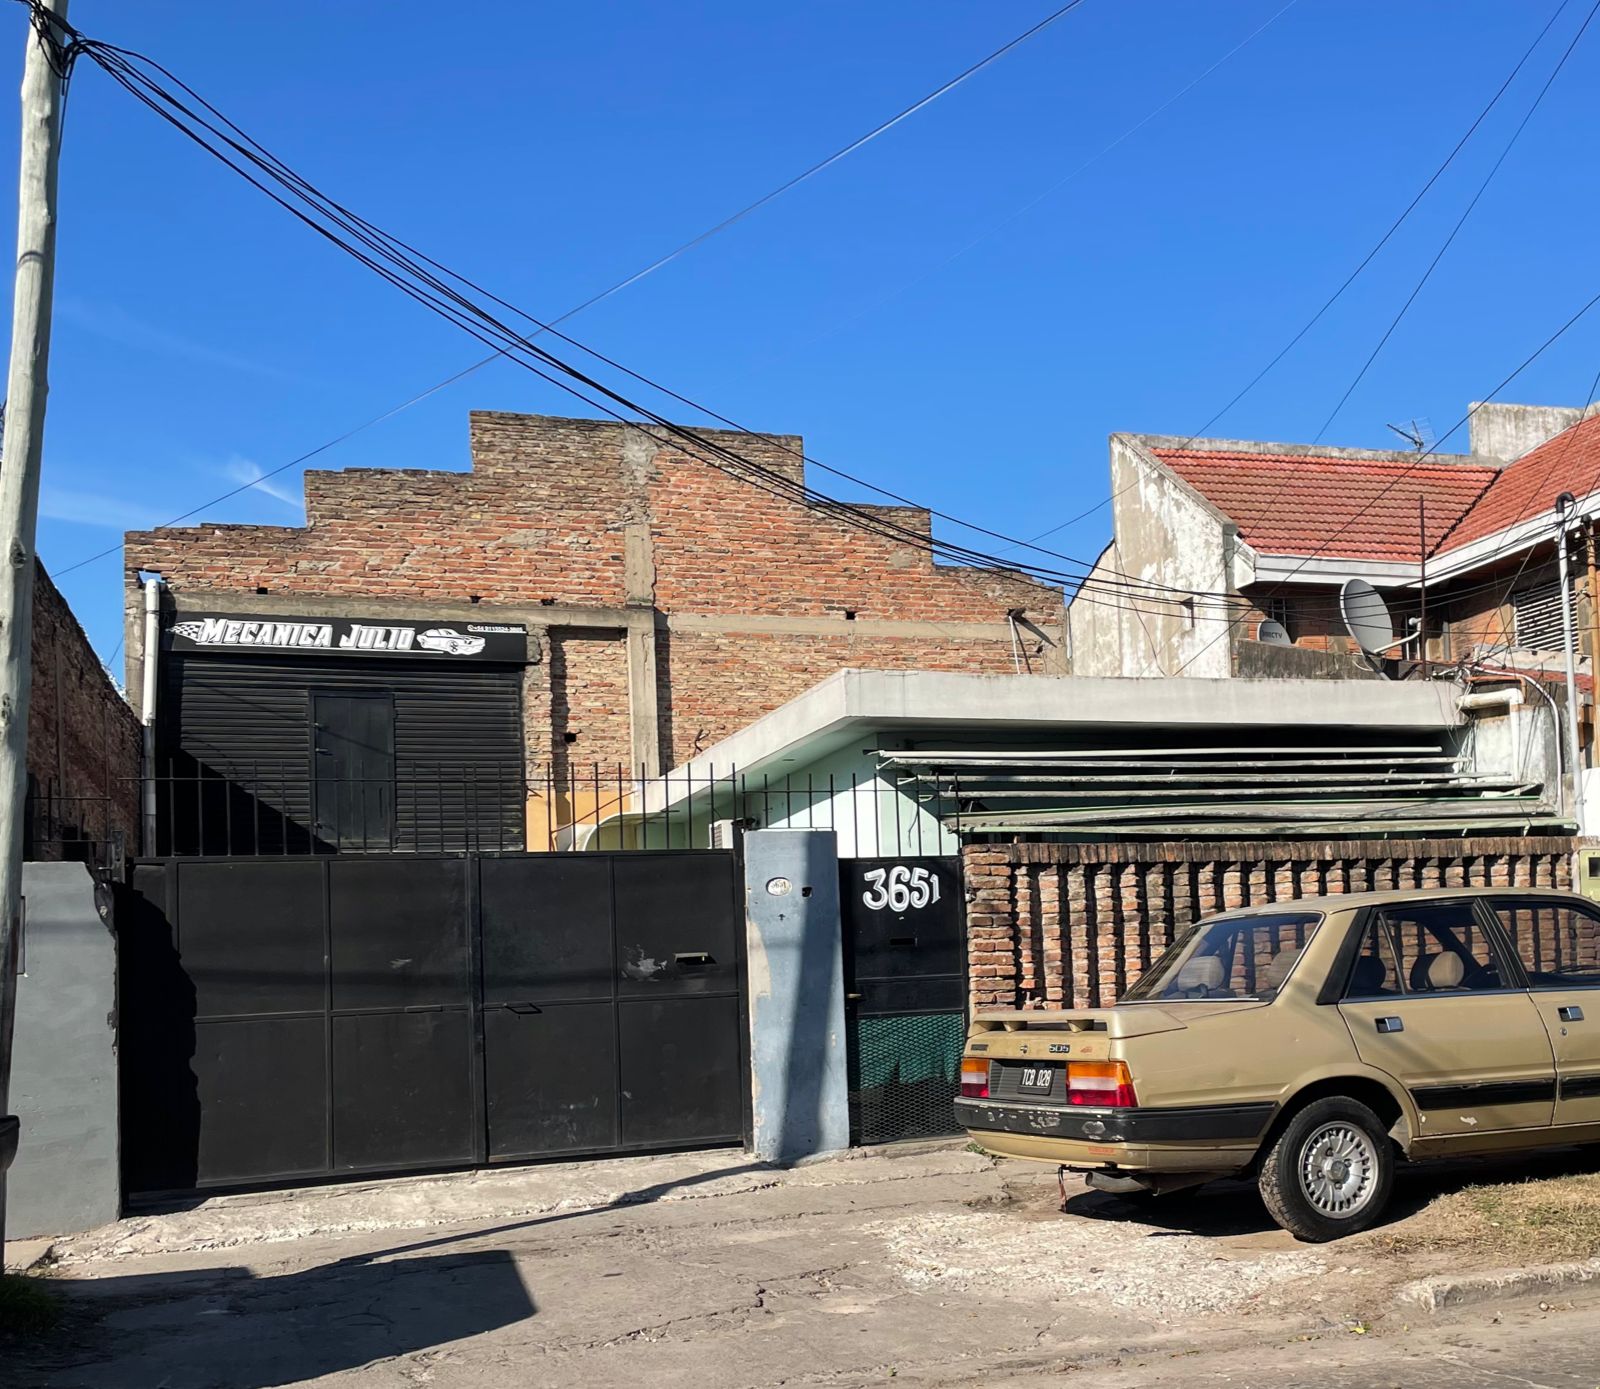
(1074, 924)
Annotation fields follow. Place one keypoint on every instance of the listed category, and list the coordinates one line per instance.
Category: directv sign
(443, 640)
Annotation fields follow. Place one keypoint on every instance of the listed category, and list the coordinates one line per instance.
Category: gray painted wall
(798, 1081)
(64, 1066)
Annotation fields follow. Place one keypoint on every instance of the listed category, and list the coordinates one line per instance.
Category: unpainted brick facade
(83, 739)
(1073, 925)
(669, 604)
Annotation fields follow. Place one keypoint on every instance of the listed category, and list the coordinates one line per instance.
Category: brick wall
(716, 683)
(83, 740)
(758, 590)
(589, 703)
(1072, 925)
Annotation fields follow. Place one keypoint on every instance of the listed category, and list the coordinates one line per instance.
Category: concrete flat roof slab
(831, 713)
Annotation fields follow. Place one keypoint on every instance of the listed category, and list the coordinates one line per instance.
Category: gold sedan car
(1313, 1045)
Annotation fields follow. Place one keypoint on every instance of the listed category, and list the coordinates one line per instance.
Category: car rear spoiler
(1117, 1022)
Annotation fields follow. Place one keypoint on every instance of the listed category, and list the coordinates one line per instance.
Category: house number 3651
(899, 888)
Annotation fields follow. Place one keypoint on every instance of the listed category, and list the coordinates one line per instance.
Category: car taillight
(974, 1079)
(1105, 1084)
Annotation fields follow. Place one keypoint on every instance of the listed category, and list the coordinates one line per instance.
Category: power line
(1555, 72)
(284, 467)
(406, 268)
(409, 271)
(1558, 456)
(627, 281)
(995, 228)
(1349, 279)
(1420, 458)
(1460, 222)
(1468, 416)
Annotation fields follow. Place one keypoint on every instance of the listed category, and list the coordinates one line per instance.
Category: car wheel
(1329, 1171)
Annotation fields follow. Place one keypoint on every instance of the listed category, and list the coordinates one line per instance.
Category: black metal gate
(290, 1019)
(905, 986)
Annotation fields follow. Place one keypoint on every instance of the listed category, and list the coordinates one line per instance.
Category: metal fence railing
(265, 808)
(697, 806)
(277, 808)
(101, 830)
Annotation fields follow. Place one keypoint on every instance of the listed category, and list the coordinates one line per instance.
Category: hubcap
(1338, 1169)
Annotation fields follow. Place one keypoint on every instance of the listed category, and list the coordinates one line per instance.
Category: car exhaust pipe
(1147, 1183)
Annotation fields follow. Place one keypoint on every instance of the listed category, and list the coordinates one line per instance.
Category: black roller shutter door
(236, 752)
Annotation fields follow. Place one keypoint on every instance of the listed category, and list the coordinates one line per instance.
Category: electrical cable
(395, 260)
(1427, 273)
(1349, 279)
(994, 228)
(1421, 457)
(404, 267)
(1558, 456)
(1455, 230)
(45, 23)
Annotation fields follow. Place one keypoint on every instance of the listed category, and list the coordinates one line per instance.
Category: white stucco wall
(1165, 535)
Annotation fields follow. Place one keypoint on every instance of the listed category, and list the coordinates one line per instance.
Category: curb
(24, 1254)
(1446, 1291)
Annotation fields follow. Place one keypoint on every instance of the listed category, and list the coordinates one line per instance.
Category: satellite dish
(1366, 618)
(1273, 633)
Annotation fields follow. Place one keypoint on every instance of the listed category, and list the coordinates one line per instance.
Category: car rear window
(1228, 957)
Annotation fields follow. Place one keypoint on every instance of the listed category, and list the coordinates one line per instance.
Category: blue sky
(547, 151)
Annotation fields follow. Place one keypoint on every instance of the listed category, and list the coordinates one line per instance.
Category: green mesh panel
(904, 1075)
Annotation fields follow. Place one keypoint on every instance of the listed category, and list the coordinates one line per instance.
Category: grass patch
(1540, 1220)
(27, 1306)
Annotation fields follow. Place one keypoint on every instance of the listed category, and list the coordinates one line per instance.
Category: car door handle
(1390, 1024)
(1570, 1013)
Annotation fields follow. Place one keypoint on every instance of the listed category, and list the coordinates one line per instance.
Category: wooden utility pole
(21, 455)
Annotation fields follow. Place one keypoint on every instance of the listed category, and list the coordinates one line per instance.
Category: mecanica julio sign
(339, 636)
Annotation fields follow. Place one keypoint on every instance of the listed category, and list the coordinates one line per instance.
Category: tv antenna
(1419, 434)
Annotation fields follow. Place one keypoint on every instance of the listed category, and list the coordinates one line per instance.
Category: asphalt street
(1518, 1345)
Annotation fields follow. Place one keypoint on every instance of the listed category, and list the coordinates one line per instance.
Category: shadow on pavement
(1234, 1208)
(226, 1326)
(644, 1196)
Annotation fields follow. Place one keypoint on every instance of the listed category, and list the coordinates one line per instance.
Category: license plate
(1036, 1077)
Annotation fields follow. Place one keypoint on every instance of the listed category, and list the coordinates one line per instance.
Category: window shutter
(1536, 617)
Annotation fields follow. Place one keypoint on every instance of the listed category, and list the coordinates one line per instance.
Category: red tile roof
(1529, 487)
(1341, 508)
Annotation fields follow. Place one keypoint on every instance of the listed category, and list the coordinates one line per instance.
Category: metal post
(149, 693)
(1564, 506)
(23, 450)
(1422, 584)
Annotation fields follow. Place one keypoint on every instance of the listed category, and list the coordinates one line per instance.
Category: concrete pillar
(644, 713)
(64, 1077)
(639, 593)
(798, 1082)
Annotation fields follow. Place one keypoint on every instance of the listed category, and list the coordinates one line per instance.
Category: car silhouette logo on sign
(450, 641)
